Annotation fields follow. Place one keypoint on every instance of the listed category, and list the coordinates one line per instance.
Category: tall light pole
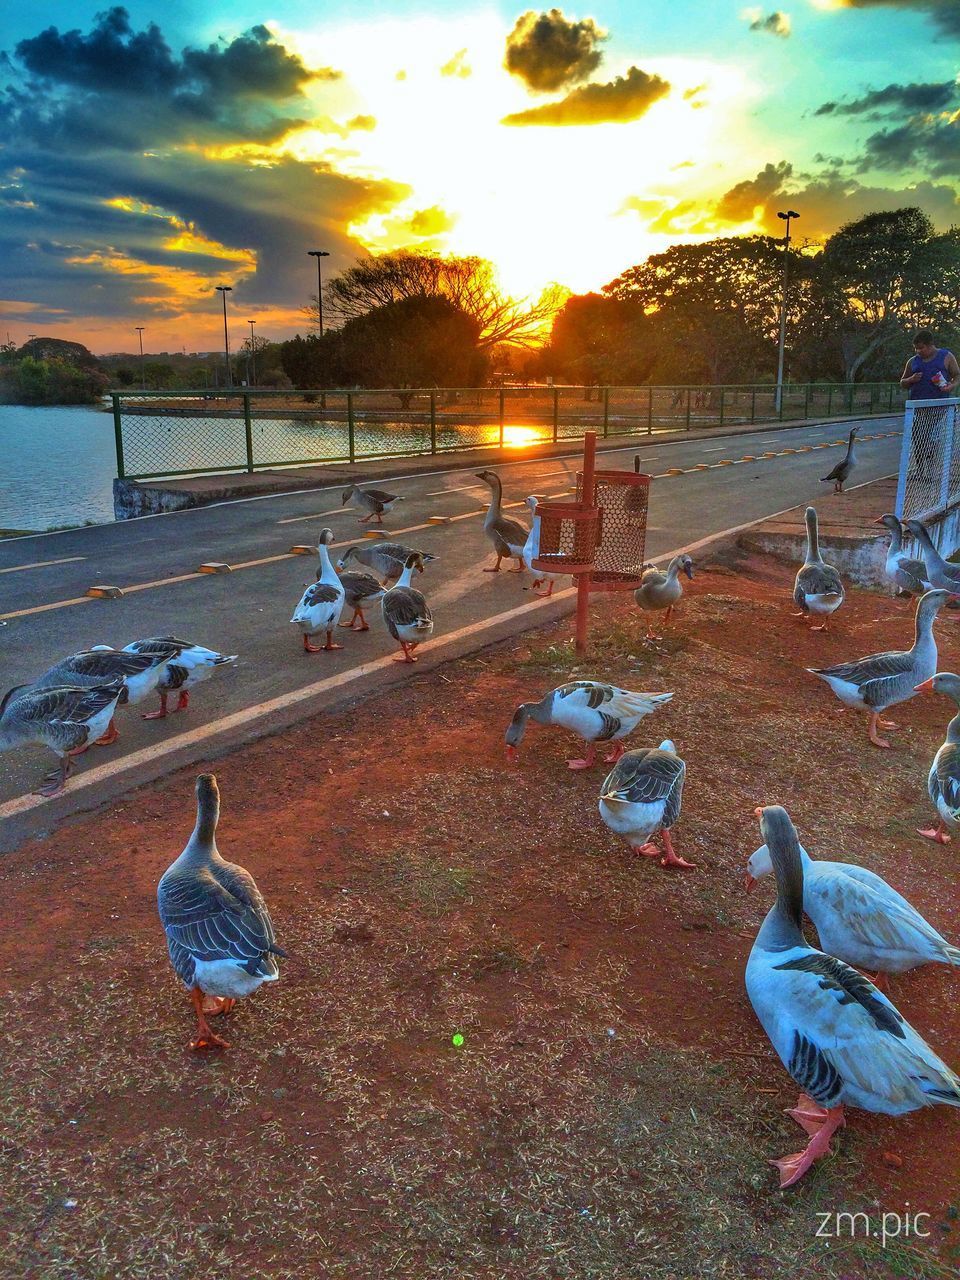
(783, 304)
(223, 290)
(143, 376)
(318, 254)
(253, 355)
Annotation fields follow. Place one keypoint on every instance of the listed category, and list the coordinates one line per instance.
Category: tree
(469, 283)
(885, 274)
(598, 339)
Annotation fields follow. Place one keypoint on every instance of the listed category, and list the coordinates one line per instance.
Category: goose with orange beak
(943, 781)
(595, 711)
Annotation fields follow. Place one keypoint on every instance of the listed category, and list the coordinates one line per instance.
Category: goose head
(348, 494)
(931, 603)
(326, 537)
(346, 558)
(532, 502)
(515, 731)
(208, 809)
(889, 522)
(759, 864)
(943, 682)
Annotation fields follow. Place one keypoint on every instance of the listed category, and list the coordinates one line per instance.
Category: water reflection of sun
(517, 437)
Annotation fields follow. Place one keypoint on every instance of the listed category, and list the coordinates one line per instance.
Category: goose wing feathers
(216, 914)
(649, 776)
(319, 593)
(876, 915)
(380, 495)
(618, 702)
(875, 676)
(511, 531)
(818, 580)
(404, 606)
(360, 587)
(103, 664)
(61, 713)
(946, 772)
(911, 575)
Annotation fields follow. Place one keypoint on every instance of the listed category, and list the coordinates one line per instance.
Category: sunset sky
(151, 152)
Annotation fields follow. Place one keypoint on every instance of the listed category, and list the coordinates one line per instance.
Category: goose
(943, 781)
(322, 603)
(361, 591)
(531, 550)
(940, 573)
(841, 1039)
(817, 588)
(67, 719)
(881, 680)
(374, 501)
(385, 558)
(860, 919)
(596, 711)
(841, 472)
(140, 673)
(219, 933)
(641, 795)
(509, 537)
(191, 665)
(907, 574)
(659, 590)
(406, 613)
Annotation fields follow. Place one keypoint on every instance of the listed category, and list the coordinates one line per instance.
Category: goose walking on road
(641, 796)
(219, 933)
(908, 574)
(191, 665)
(66, 719)
(374, 501)
(384, 558)
(361, 591)
(597, 712)
(837, 1035)
(406, 613)
(817, 589)
(943, 781)
(881, 680)
(322, 603)
(508, 536)
(140, 673)
(842, 471)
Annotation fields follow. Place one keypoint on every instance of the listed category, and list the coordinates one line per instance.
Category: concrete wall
(859, 560)
(131, 499)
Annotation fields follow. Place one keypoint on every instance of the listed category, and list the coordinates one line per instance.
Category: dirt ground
(612, 1108)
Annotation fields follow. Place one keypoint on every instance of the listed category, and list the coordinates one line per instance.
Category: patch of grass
(429, 882)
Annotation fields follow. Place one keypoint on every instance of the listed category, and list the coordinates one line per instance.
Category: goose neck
(813, 538)
(327, 571)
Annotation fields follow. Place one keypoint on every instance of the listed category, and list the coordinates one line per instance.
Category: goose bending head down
(943, 780)
(321, 604)
(641, 796)
(817, 589)
(596, 711)
(191, 665)
(219, 932)
(66, 719)
(140, 673)
(881, 680)
(837, 1035)
(406, 613)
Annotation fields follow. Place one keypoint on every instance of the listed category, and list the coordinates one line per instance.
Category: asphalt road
(44, 613)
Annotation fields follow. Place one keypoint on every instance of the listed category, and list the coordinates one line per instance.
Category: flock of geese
(836, 1032)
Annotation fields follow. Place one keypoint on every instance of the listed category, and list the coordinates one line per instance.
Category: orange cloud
(624, 99)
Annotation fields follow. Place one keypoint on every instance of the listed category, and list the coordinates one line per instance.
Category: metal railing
(929, 479)
(179, 433)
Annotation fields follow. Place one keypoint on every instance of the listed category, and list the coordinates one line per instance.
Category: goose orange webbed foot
(938, 833)
(821, 1124)
(671, 858)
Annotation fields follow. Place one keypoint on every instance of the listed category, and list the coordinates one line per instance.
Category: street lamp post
(318, 254)
(253, 355)
(143, 375)
(783, 305)
(223, 290)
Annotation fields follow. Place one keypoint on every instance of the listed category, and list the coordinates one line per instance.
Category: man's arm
(909, 378)
(953, 372)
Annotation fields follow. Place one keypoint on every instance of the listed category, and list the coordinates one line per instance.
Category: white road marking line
(720, 450)
(42, 564)
(463, 488)
(334, 511)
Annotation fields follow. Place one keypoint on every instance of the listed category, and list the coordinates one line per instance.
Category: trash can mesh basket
(568, 538)
(622, 497)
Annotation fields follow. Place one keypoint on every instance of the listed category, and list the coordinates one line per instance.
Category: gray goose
(219, 933)
(509, 537)
(838, 1036)
(841, 472)
(385, 558)
(140, 673)
(881, 680)
(817, 588)
(192, 664)
(908, 574)
(641, 795)
(374, 501)
(943, 780)
(660, 591)
(406, 613)
(66, 719)
(940, 573)
(361, 591)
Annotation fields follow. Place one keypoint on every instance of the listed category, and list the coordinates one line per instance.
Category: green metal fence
(177, 433)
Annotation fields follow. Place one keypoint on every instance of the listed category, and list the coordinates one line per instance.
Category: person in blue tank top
(931, 374)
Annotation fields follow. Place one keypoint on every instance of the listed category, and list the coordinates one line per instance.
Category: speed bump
(301, 549)
(104, 593)
(214, 566)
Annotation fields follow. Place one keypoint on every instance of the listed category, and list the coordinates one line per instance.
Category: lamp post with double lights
(318, 254)
(223, 290)
(783, 305)
(143, 372)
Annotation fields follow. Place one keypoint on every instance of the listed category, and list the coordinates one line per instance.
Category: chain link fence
(929, 479)
(171, 433)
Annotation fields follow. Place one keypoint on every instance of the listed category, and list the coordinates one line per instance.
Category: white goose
(597, 712)
(840, 1038)
(860, 919)
(192, 665)
(641, 796)
(531, 550)
(322, 603)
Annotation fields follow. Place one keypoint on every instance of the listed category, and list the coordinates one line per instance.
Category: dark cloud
(929, 143)
(771, 24)
(741, 201)
(829, 200)
(549, 51)
(626, 98)
(896, 97)
(945, 13)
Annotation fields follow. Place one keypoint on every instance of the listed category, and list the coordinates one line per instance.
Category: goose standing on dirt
(385, 558)
(140, 673)
(860, 919)
(191, 665)
(817, 589)
(841, 472)
(531, 551)
(219, 933)
(943, 781)
(940, 573)
(660, 591)
(597, 712)
(641, 795)
(361, 591)
(65, 719)
(907, 574)
(406, 613)
(374, 501)
(322, 603)
(509, 537)
(881, 680)
(840, 1038)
